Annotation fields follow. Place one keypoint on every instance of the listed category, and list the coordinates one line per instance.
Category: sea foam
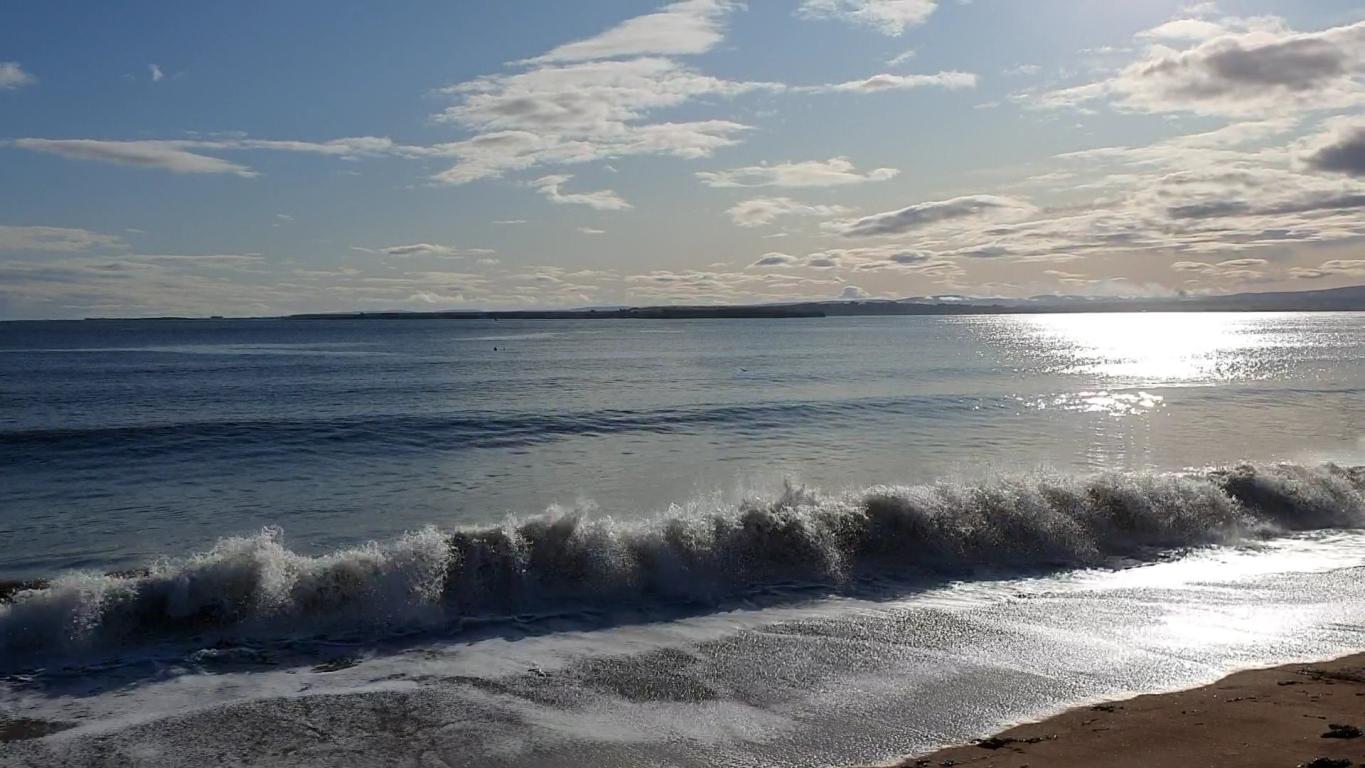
(254, 587)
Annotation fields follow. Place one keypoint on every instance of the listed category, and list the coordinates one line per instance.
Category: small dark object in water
(1338, 731)
(1327, 762)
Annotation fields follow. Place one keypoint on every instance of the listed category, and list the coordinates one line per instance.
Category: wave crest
(256, 587)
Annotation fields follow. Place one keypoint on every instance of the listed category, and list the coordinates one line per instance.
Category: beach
(1289, 715)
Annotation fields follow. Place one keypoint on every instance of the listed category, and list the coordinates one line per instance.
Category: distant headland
(1348, 299)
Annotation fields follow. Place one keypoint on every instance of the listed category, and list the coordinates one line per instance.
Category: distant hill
(1350, 299)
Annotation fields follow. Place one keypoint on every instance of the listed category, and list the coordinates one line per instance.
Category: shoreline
(1275, 717)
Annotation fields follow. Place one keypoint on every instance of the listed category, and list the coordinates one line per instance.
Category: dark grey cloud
(924, 214)
(1297, 65)
(1344, 153)
(1219, 208)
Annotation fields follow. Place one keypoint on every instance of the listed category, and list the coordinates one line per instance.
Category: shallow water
(825, 681)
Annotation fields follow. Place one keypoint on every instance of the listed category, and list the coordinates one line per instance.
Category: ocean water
(749, 542)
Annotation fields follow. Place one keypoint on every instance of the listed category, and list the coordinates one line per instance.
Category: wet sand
(1273, 718)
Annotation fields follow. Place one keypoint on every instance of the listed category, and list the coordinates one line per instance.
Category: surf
(255, 588)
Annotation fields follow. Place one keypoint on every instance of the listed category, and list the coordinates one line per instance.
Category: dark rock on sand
(1336, 731)
(20, 728)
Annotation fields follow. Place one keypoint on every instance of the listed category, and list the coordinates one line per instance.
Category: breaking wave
(254, 587)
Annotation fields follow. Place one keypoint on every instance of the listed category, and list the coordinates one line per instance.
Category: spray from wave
(254, 587)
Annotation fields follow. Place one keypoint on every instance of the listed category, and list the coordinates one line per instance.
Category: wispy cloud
(834, 172)
(683, 28)
(890, 17)
(901, 58)
(189, 156)
(887, 82)
(930, 213)
(57, 239)
(424, 249)
(162, 155)
(602, 199)
(761, 211)
(13, 76)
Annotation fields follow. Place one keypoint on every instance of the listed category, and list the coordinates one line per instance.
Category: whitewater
(254, 588)
(694, 543)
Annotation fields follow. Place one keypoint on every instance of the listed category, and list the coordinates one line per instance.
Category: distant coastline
(1348, 299)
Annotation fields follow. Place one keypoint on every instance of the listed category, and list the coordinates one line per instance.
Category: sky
(263, 158)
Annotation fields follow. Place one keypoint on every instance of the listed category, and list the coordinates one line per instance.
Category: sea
(621, 542)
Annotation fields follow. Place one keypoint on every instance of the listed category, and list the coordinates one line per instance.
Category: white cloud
(580, 112)
(590, 100)
(776, 259)
(602, 200)
(599, 99)
(419, 249)
(1197, 30)
(13, 76)
(1257, 67)
(162, 155)
(156, 73)
(952, 81)
(55, 239)
(1022, 70)
(424, 249)
(837, 171)
(684, 28)
(1226, 271)
(592, 231)
(890, 17)
(1351, 267)
(1207, 201)
(761, 211)
(901, 58)
(188, 156)
(852, 292)
(927, 214)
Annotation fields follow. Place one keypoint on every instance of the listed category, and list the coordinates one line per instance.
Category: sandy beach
(1294, 715)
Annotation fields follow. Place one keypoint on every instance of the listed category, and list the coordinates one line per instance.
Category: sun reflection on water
(1151, 347)
(1102, 401)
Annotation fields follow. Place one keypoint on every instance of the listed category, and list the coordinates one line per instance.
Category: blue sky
(262, 158)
